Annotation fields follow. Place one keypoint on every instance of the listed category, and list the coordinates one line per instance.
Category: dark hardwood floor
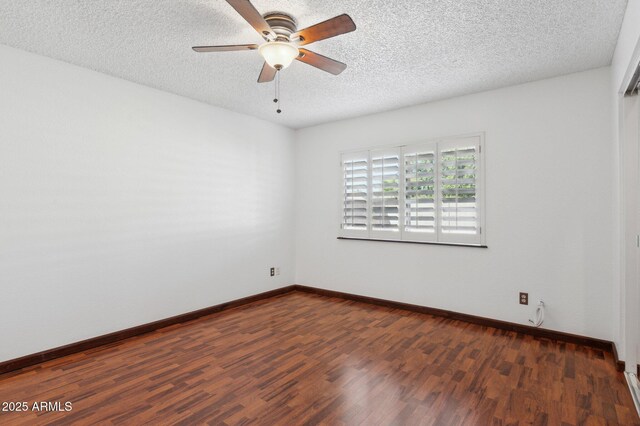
(308, 359)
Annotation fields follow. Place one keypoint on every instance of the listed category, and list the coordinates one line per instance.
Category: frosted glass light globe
(278, 54)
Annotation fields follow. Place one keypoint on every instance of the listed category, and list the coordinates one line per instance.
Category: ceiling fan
(282, 40)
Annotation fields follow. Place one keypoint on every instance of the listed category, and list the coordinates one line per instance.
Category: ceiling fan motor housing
(282, 24)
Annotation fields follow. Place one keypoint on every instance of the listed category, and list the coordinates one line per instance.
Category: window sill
(415, 242)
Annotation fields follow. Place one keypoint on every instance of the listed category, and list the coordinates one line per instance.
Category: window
(429, 192)
(385, 193)
(355, 177)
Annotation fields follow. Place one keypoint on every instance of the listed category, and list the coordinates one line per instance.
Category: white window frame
(438, 237)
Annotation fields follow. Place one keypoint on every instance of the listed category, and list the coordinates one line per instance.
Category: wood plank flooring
(307, 359)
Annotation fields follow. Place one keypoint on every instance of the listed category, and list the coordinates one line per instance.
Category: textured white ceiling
(403, 52)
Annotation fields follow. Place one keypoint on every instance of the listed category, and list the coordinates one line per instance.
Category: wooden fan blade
(267, 74)
(325, 64)
(253, 17)
(330, 28)
(227, 48)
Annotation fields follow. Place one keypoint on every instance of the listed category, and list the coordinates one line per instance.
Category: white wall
(549, 232)
(121, 205)
(117, 205)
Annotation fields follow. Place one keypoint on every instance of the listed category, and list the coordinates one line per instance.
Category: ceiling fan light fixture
(278, 54)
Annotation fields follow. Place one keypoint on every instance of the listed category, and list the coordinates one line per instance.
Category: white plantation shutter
(430, 192)
(420, 192)
(385, 193)
(355, 197)
(458, 190)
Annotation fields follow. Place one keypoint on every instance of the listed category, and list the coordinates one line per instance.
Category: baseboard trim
(620, 364)
(604, 345)
(84, 345)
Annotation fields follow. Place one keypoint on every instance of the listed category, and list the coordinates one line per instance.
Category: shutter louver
(385, 191)
(419, 193)
(355, 172)
(458, 195)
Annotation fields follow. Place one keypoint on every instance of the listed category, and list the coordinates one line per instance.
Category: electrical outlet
(524, 298)
(277, 271)
(272, 272)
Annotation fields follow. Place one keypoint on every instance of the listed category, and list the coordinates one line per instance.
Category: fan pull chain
(277, 99)
(275, 89)
(276, 85)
